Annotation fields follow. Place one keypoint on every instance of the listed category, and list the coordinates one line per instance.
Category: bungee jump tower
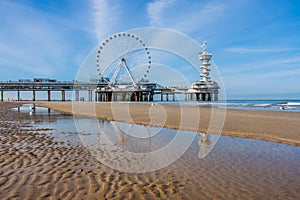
(206, 89)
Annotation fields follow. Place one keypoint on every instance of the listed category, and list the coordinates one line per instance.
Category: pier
(99, 92)
(38, 85)
(106, 89)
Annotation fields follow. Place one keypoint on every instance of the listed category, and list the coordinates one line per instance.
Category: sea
(283, 105)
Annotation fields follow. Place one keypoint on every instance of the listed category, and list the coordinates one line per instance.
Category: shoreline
(273, 126)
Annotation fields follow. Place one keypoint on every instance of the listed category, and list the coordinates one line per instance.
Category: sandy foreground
(283, 127)
(35, 166)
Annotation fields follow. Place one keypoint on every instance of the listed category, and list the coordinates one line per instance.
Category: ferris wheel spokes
(122, 63)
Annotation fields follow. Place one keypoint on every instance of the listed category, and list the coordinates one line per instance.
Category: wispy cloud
(289, 60)
(106, 15)
(255, 50)
(186, 16)
(155, 10)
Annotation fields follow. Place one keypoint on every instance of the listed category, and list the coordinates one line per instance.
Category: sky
(255, 44)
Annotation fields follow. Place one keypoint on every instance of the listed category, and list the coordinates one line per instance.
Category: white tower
(205, 89)
(205, 58)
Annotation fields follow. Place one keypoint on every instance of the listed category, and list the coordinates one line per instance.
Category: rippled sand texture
(242, 169)
(33, 166)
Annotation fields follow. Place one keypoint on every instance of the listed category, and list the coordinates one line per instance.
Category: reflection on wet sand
(133, 148)
(116, 148)
(234, 169)
(206, 144)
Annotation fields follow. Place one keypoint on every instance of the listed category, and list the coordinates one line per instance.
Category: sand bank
(283, 127)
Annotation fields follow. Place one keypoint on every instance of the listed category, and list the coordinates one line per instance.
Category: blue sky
(256, 44)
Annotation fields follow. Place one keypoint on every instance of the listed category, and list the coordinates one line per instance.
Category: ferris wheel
(123, 58)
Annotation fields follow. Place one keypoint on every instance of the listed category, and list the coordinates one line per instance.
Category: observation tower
(206, 89)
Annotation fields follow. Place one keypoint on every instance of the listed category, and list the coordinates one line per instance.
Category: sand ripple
(34, 166)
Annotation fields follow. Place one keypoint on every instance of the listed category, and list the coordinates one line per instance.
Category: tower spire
(205, 58)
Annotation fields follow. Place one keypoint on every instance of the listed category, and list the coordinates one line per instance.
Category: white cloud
(155, 10)
(255, 50)
(186, 16)
(265, 63)
(106, 15)
(290, 60)
(202, 17)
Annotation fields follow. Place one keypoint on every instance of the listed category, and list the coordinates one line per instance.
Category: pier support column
(192, 97)
(151, 96)
(124, 96)
(146, 97)
(33, 95)
(216, 97)
(49, 95)
(18, 95)
(115, 96)
(173, 97)
(109, 96)
(161, 97)
(1, 95)
(137, 96)
(203, 97)
(197, 97)
(167, 97)
(90, 95)
(208, 97)
(63, 95)
(76, 95)
(141, 96)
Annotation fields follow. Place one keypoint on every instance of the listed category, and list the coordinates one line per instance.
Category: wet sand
(283, 127)
(35, 166)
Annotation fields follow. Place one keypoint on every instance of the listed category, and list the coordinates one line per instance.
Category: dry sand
(283, 127)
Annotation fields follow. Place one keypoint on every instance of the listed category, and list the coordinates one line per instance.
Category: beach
(36, 166)
(276, 126)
